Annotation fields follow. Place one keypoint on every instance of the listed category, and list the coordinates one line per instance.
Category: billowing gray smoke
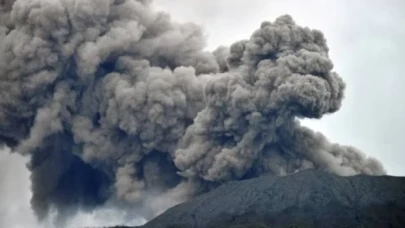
(115, 102)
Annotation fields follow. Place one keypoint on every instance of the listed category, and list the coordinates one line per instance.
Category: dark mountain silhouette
(305, 199)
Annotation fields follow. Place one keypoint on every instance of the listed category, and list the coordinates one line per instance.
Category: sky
(366, 41)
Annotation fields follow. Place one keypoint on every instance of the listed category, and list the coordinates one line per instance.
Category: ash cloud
(113, 101)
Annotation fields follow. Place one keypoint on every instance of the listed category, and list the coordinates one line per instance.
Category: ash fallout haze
(114, 103)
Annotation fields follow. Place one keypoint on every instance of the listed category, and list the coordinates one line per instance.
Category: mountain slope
(306, 199)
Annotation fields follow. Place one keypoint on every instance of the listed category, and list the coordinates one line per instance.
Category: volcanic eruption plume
(113, 101)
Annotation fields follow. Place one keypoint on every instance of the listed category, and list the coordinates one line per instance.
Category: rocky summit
(305, 199)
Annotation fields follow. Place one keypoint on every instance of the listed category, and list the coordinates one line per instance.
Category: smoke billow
(114, 102)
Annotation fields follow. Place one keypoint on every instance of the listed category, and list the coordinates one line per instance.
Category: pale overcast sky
(366, 40)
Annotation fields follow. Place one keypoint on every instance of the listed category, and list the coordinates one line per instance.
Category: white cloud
(15, 211)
